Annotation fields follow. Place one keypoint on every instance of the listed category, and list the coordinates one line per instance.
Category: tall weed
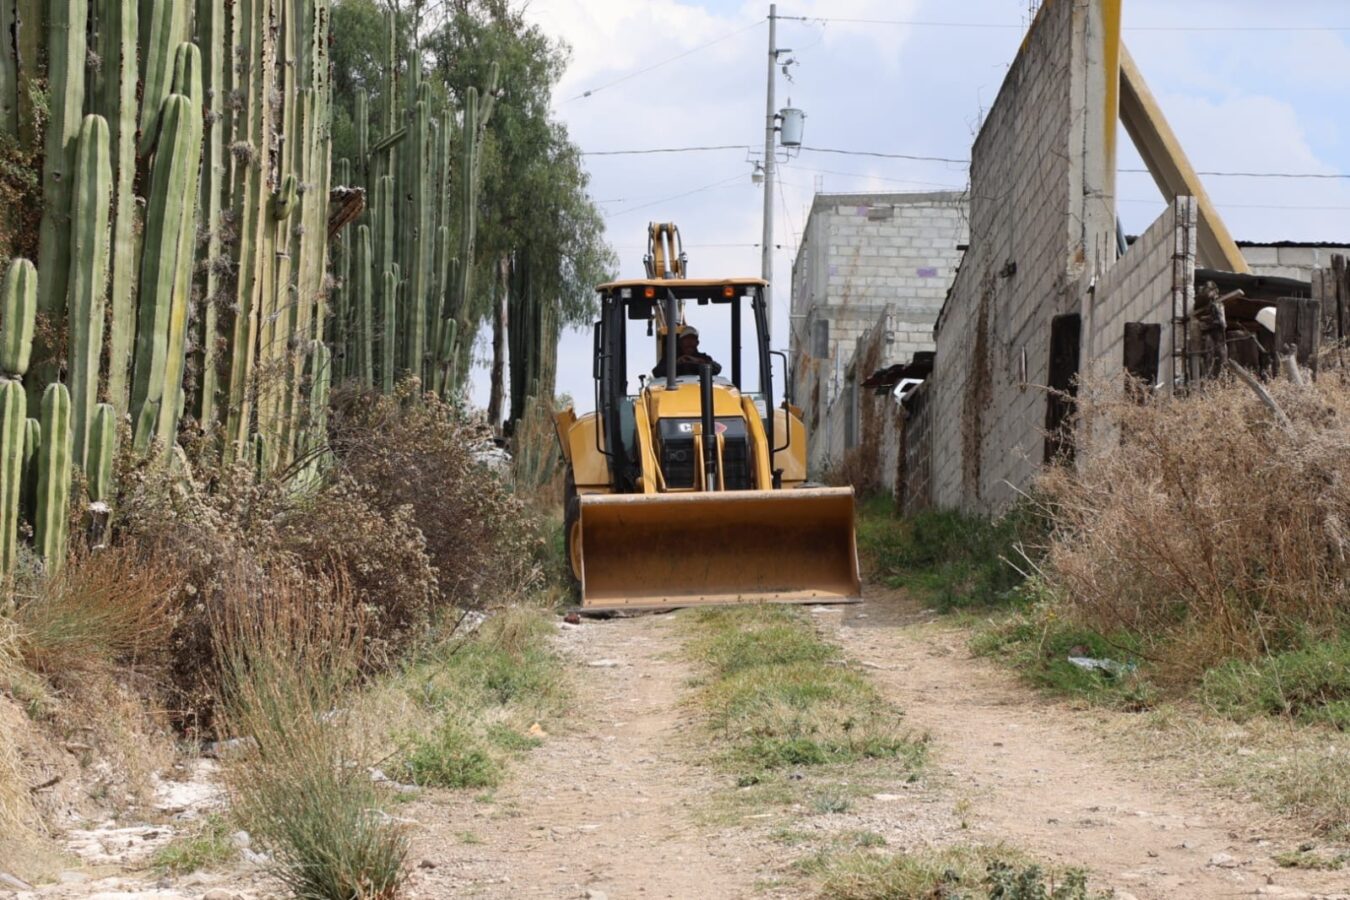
(1202, 525)
(287, 656)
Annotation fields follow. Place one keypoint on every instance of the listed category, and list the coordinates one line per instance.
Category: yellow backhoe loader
(692, 491)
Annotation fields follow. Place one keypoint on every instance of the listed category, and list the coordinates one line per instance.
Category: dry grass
(289, 652)
(1203, 526)
(111, 608)
(536, 464)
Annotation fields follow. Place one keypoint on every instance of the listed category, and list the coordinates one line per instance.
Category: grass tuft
(209, 845)
(952, 872)
(946, 559)
(779, 696)
(1310, 684)
(476, 699)
(301, 789)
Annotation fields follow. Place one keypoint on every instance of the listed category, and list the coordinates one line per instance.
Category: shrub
(415, 452)
(1203, 525)
(383, 555)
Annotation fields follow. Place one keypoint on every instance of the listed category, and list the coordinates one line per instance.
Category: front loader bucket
(664, 550)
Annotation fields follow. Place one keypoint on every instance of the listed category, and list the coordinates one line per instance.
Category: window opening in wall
(820, 338)
(1065, 340)
(1142, 341)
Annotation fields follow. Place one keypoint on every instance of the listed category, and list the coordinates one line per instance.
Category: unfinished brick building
(1049, 289)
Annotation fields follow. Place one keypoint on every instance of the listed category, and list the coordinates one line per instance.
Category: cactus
(116, 102)
(88, 274)
(363, 330)
(388, 318)
(162, 31)
(213, 38)
(102, 452)
(167, 216)
(187, 83)
(52, 513)
(253, 136)
(18, 294)
(66, 55)
(32, 445)
(13, 416)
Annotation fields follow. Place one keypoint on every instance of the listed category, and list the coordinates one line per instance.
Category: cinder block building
(868, 264)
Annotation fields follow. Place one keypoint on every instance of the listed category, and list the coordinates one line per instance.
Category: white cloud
(1238, 100)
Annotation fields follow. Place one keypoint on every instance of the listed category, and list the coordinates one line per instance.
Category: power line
(1008, 25)
(650, 150)
(876, 154)
(666, 62)
(1324, 175)
(707, 187)
(873, 153)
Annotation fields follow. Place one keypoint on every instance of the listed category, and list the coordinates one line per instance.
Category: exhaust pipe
(672, 342)
(705, 405)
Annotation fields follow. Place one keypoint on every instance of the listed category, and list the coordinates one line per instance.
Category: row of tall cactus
(402, 305)
(197, 305)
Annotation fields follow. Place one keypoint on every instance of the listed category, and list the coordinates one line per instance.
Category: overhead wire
(914, 23)
(698, 190)
(948, 160)
(665, 62)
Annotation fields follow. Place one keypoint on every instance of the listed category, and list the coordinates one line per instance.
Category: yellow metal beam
(1172, 171)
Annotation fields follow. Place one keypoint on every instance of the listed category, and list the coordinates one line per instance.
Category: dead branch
(1260, 390)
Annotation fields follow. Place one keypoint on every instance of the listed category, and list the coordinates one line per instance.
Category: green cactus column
(339, 329)
(167, 216)
(215, 45)
(363, 329)
(18, 307)
(186, 160)
(99, 470)
(389, 324)
(90, 212)
(67, 21)
(13, 418)
(249, 188)
(163, 27)
(116, 102)
(52, 525)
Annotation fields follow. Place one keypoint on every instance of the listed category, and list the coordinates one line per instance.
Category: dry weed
(109, 608)
(413, 451)
(288, 652)
(1203, 525)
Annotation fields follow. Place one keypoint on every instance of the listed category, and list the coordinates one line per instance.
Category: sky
(1247, 85)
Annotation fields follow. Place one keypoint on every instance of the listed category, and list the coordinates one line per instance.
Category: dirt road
(617, 808)
(611, 809)
(1037, 774)
(618, 805)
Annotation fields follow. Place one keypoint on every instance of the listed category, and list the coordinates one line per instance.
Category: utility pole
(766, 255)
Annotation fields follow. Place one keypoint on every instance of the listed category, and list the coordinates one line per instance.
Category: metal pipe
(672, 341)
(705, 406)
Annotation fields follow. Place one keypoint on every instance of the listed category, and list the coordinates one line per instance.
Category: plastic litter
(1110, 667)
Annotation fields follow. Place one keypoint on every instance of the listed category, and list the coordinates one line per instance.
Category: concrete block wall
(1290, 260)
(1036, 234)
(864, 256)
(1140, 288)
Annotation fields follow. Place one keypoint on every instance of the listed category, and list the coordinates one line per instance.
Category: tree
(541, 239)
